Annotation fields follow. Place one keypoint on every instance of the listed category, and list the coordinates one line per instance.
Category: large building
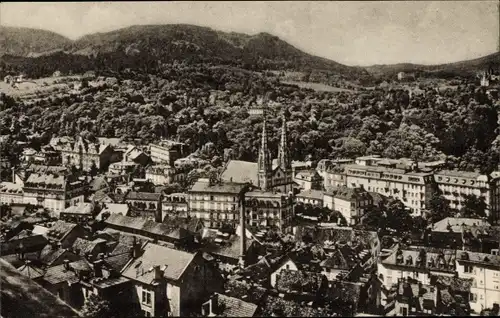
(269, 210)
(215, 203)
(484, 269)
(84, 154)
(414, 189)
(455, 186)
(352, 203)
(53, 191)
(162, 174)
(166, 152)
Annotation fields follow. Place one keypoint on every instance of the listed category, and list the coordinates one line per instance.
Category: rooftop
(456, 224)
(299, 281)
(311, 194)
(479, 258)
(240, 172)
(143, 196)
(81, 208)
(21, 297)
(172, 262)
(60, 229)
(225, 187)
(234, 307)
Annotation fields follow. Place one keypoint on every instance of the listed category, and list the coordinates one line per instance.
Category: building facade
(161, 174)
(55, 192)
(84, 154)
(166, 152)
(267, 209)
(11, 193)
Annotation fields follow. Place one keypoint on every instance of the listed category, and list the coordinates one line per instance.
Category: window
(211, 198)
(146, 298)
(468, 268)
(473, 298)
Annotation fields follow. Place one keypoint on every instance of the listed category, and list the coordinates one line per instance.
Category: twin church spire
(265, 161)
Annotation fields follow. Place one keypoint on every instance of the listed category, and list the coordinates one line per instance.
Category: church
(263, 174)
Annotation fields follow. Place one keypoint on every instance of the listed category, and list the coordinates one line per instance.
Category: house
(162, 174)
(163, 232)
(342, 261)
(352, 203)
(23, 242)
(65, 233)
(484, 269)
(150, 203)
(32, 272)
(82, 212)
(167, 152)
(225, 306)
(22, 297)
(122, 167)
(309, 180)
(169, 281)
(454, 294)
(313, 197)
(84, 154)
(285, 263)
(113, 208)
(228, 249)
(413, 298)
(269, 210)
(89, 249)
(347, 297)
(175, 204)
(11, 193)
(53, 191)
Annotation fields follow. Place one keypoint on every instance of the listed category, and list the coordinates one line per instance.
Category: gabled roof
(231, 248)
(31, 271)
(85, 246)
(456, 284)
(172, 262)
(143, 196)
(84, 208)
(60, 230)
(311, 194)
(234, 307)
(456, 224)
(240, 172)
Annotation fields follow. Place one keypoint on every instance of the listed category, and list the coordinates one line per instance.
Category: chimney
(66, 264)
(136, 248)
(243, 237)
(98, 268)
(158, 272)
(158, 214)
(214, 304)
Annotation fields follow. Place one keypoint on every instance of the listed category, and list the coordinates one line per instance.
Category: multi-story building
(334, 177)
(166, 152)
(352, 203)
(215, 203)
(268, 209)
(53, 191)
(309, 180)
(175, 204)
(122, 167)
(161, 174)
(484, 269)
(147, 204)
(455, 186)
(167, 282)
(84, 154)
(414, 189)
(11, 193)
(313, 197)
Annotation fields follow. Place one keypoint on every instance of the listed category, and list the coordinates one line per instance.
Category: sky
(353, 33)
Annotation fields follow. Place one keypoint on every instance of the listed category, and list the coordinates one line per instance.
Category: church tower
(264, 163)
(284, 161)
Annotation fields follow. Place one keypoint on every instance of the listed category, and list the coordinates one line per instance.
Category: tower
(284, 161)
(264, 162)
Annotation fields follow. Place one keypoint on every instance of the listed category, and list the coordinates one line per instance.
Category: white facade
(11, 193)
(289, 265)
(486, 279)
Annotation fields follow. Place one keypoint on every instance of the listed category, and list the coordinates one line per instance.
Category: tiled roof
(240, 172)
(52, 179)
(113, 208)
(439, 261)
(85, 246)
(10, 187)
(31, 271)
(27, 242)
(311, 194)
(349, 194)
(147, 226)
(456, 224)
(60, 229)
(234, 307)
(174, 263)
(118, 261)
(98, 183)
(50, 254)
(225, 187)
(299, 281)
(455, 283)
(58, 274)
(479, 258)
(21, 297)
(230, 248)
(344, 259)
(288, 308)
(143, 196)
(242, 290)
(84, 208)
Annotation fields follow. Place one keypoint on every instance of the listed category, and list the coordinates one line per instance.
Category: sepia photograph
(249, 159)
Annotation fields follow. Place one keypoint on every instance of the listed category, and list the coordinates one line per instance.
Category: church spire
(264, 163)
(283, 155)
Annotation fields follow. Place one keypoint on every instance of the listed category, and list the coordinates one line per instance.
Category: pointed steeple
(264, 163)
(284, 161)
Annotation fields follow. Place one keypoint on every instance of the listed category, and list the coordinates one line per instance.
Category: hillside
(168, 42)
(468, 67)
(26, 41)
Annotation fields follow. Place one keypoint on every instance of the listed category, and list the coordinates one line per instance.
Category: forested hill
(469, 67)
(29, 42)
(146, 45)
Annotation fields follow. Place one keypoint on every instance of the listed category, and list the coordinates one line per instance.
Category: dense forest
(205, 104)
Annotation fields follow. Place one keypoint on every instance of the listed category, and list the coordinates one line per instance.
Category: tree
(474, 207)
(93, 169)
(96, 307)
(439, 208)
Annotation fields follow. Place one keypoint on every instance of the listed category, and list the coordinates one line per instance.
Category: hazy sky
(353, 33)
